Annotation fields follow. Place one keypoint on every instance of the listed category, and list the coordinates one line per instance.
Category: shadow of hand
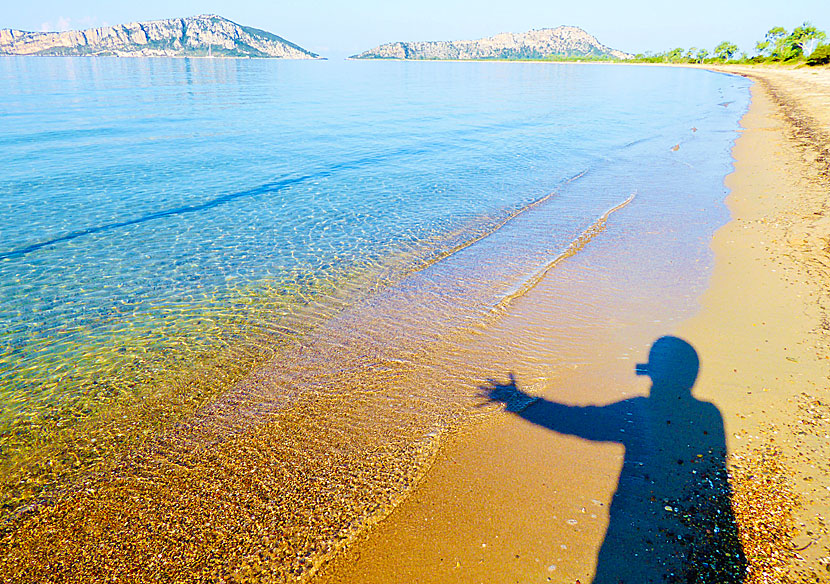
(509, 394)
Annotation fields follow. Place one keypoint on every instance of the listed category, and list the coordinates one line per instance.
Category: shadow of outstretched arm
(600, 423)
(671, 517)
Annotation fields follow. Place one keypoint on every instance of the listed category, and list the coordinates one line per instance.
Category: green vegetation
(725, 50)
(802, 45)
(805, 44)
(820, 56)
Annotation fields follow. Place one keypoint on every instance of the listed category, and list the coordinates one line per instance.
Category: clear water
(169, 226)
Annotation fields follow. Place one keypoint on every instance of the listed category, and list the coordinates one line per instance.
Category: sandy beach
(617, 419)
(511, 499)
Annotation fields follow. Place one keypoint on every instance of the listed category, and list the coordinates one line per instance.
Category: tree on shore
(761, 47)
(774, 40)
(806, 37)
(725, 50)
(675, 55)
(779, 45)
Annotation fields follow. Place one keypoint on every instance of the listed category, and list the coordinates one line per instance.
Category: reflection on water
(189, 223)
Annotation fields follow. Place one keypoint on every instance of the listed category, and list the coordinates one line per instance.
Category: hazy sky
(338, 28)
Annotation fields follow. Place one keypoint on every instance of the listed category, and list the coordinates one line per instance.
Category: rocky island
(545, 43)
(194, 36)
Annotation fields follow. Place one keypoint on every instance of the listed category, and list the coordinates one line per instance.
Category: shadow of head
(672, 365)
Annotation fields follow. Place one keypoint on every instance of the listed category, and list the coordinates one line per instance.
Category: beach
(510, 500)
(583, 385)
(368, 281)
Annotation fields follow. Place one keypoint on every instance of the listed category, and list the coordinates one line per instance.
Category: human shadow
(671, 518)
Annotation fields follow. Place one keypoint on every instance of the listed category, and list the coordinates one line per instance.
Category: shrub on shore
(820, 56)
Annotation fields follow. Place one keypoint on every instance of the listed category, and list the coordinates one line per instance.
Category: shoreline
(236, 490)
(769, 262)
(573, 337)
(768, 296)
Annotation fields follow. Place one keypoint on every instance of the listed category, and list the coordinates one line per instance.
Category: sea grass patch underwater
(107, 392)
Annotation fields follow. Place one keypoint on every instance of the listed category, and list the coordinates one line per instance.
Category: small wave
(575, 246)
(440, 256)
(267, 188)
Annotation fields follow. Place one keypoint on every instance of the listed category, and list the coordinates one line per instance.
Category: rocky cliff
(563, 41)
(196, 36)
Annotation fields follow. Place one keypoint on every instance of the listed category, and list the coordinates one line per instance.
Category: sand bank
(510, 500)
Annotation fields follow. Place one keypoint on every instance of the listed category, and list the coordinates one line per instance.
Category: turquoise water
(168, 226)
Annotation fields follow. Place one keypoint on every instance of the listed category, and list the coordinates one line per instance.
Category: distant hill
(195, 36)
(562, 41)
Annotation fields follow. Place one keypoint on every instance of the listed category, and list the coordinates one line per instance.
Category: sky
(338, 29)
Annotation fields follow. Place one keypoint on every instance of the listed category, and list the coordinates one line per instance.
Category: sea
(278, 266)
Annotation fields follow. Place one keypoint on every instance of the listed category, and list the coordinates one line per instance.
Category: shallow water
(170, 226)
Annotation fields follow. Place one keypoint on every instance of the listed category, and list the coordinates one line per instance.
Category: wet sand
(510, 500)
